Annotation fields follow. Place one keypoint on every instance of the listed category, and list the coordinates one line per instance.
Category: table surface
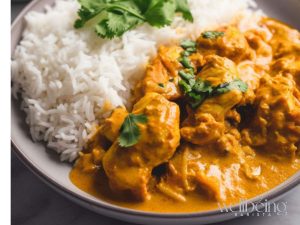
(41, 205)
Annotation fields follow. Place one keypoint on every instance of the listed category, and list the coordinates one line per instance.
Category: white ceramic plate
(47, 166)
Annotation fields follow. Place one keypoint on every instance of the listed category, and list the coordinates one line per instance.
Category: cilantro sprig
(196, 89)
(129, 131)
(112, 18)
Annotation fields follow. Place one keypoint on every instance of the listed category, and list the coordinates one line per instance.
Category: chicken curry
(215, 120)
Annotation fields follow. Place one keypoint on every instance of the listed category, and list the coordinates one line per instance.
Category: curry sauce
(241, 139)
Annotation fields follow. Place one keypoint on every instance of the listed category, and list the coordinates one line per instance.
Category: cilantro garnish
(112, 18)
(186, 62)
(196, 89)
(130, 132)
(212, 34)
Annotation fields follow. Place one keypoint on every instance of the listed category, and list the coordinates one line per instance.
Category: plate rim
(271, 195)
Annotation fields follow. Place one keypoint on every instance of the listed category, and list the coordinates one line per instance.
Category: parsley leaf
(130, 132)
(112, 18)
(212, 34)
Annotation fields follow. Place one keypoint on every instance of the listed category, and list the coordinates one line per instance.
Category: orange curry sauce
(232, 147)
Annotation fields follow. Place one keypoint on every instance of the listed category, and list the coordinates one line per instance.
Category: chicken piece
(232, 45)
(90, 159)
(276, 123)
(180, 175)
(229, 142)
(90, 162)
(218, 70)
(111, 125)
(206, 124)
(197, 168)
(285, 40)
(286, 66)
(129, 169)
(162, 74)
(261, 56)
(260, 50)
(251, 75)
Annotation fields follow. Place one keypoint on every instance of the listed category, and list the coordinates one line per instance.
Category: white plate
(47, 166)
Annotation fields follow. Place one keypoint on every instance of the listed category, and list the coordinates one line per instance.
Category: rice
(67, 77)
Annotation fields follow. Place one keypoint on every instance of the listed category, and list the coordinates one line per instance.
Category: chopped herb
(212, 34)
(112, 18)
(185, 61)
(191, 50)
(130, 132)
(161, 85)
(183, 7)
(202, 86)
(195, 96)
(185, 86)
(186, 76)
(171, 80)
(192, 82)
(185, 44)
(196, 102)
(235, 84)
(198, 90)
(185, 54)
(189, 47)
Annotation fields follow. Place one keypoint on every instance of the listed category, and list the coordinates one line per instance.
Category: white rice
(65, 76)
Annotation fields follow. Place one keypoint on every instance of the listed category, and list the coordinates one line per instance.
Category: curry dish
(221, 123)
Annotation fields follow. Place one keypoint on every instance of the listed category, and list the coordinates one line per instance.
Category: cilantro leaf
(197, 90)
(186, 76)
(188, 44)
(130, 132)
(112, 18)
(228, 86)
(186, 62)
(212, 34)
(202, 86)
(185, 86)
(142, 5)
(109, 18)
(160, 13)
(197, 99)
(183, 7)
(189, 47)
